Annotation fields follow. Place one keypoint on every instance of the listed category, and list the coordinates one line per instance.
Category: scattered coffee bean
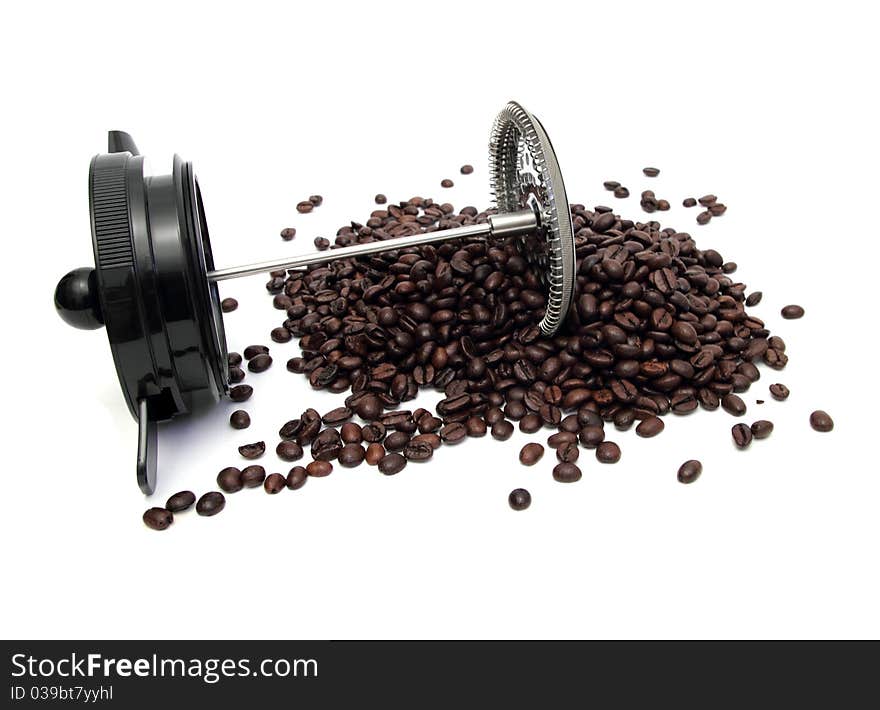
(251, 351)
(274, 483)
(820, 421)
(288, 233)
(754, 298)
(762, 428)
(530, 423)
(650, 426)
(611, 185)
(227, 305)
(651, 172)
(229, 479)
(476, 426)
(239, 419)
(591, 436)
(158, 518)
(184, 500)
(446, 183)
(742, 435)
(375, 453)
(530, 454)
(319, 469)
(568, 453)
(392, 463)
(304, 207)
(621, 192)
(321, 243)
(316, 200)
(733, 404)
(252, 451)
(566, 473)
(608, 452)
(289, 451)
(380, 199)
(418, 450)
(211, 503)
(240, 393)
(707, 200)
(554, 441)
(717, 209)
(502, 430)
(792, 312)
(519, 499)
(467, 169)
(689, 202)
(296, 478)
(233, 359)
(704, 217)
(351, 455)
(779, 391)
(663, 205)
(260, 363)
(253, 476)
(690, 471)
(236, 375)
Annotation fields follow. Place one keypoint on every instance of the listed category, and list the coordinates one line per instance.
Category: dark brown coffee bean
(236, 374)
(466, 169)
(316, 200)
(453, 433)
(733, 404)
(229, 479)
(704, 217)
(742, 435)
(476, 426)
(530, 454)
(418, 450)
(251, 351)
(289, 451)
(321, 243)
(369, 408)
(611, 185)
(554, 441)
(337, 416)
(779, 391)
(690, 471)
(233, 359)
(717, 209)
(351, 433)
(502, 430)
(211, 503)
(253, 476)
(591, 436)
(296, 478)
(252, 451)
(762, 428)
(375, 453)
(621, 192)
(446, 182)
(530, 423)
(651, 172)
(158, 518)
(568, 453)
(707, 200)
(181, 501)
(304, 207)
(792, 312)
(288, 233)
(519, 499)
(566, 473)
(241, 393)
(392, 463)
(380, 199)
(227, 305)
(820, 421)
(239, 419)
(319, 469)
(650, 427)
(351, 455)
(608, 452)
(260, 363)
(689, 202)
(274, 483)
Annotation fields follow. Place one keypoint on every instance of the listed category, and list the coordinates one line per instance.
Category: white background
(772, 106)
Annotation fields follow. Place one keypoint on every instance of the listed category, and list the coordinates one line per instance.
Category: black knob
(76, 299)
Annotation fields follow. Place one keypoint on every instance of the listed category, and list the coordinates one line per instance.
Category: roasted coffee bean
(433, 440)
(289, 451)
(418, 450)
(280, 335)
(476, 426)
(251, 351)
(530, 423)
(608, 452)
(397, 441)
(240, 393)
(319, 469)
(337, 416)
(779, 391)
(689, 471)
(519, 499)
(554, 441)
(820, 421)
(296, 478)
(211, 503)
(304, 207)
(321, 243)
(742, 435)
(621, 192)
(158, 518)
(351, 433)
(351, 455)
(704, 217)
(181, 501)
(689, 202)
(260, 363)
(274, 483)
(733, 404)
(227, 305)
(568, 453)
(453, 433)
(380, 199)
(611, 185)
(288, 233)
(233, 359)
(229, 479)
(762, 428)
(375, 453)
(591, 436)
(236, 374)
(253, 476)
(392, 463)
(446, 182)
(754, 298)
(650, 427)
(252, 451)
(239, 419)
(369, 408)
(316, 200)
(566, 473)
(466, 169)
(651, 172)
(530, 454)
(502, 430)
(707, 200)
(792, 312)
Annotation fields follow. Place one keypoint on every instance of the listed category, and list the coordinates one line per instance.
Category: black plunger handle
(148, 444)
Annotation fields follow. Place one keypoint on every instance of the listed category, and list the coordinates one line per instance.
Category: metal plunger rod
(511, 224)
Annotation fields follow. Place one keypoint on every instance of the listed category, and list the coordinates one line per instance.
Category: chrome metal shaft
(510, 224)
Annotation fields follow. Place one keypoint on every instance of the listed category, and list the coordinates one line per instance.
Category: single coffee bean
(566, 473)
(321, 243)
(554, 441)
(519, 499)
(260, 363)
(467, 169)
(288, 233)
(227, 305)
(446, 182)
(211, 503)
(792, 312)
(761, 429)
(181, 501)
(476, 426)
(779, 391)
(453, 433)
(754, 298)
(502, 430)
(236, 374)
(418, 451)
(397, 441)
(733, 404)
(316, 200)
(289, 451)
(319, 469)
(239, 419)
(591, 436)
(530, 423)
(707, 200)
(392, 463)
(717, 209)
(651, 172)
(608, 452)
(663, 205)
(158, 518)
(650, 427)
(252, 451)
(704, 217)
(351, 433)
(296, 478)
(253, 476)
(274, 483)
(742, 435)
(233, 359)
(530, 454)
(611, 185)
(689, 202)
(689, 471)
(380, 199)
(820, 421)
(351, 455)
(568, 453)
(251, 351)
(229, 479)
(621, 192)
(375, 453)
(304, 207)
(240, 393)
